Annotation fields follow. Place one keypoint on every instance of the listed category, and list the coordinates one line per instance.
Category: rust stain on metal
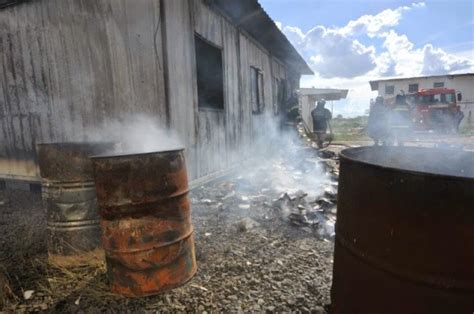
(404, 235)
(146, 221)
(73, 231)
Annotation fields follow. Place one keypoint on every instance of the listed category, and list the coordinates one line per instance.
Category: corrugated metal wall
(68, 65)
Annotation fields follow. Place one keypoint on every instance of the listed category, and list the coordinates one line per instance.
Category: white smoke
(289, 165)
(136, 134)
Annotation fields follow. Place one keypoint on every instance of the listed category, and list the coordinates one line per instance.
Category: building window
(210, 76)
(389, 89)
(256, 90)
(412, 88)
(438, 84)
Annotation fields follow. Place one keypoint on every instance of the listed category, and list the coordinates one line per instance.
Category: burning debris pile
(298, 192)
(257, 198)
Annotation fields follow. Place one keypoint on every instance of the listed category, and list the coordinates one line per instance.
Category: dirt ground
(263, 243)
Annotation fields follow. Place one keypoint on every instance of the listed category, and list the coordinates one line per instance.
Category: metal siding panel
(180, 51)
(61, 71)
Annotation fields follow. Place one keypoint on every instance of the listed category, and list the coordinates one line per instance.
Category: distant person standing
(321, 117)
(458, 116)
(378, 119)
(400, 120)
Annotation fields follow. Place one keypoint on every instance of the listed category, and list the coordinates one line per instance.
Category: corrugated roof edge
(308, 68)
(316, 91)
(7, 3)
(374, 84)
(249, 15)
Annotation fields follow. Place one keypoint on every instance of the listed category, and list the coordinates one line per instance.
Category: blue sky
(348, 43)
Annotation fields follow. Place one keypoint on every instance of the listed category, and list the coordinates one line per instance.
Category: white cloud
(427, 60)
(330, 53)
(437, 61)
(335, 52)
(279, 24)
(373, 24)
(326, 48)
(404, 59)
(340, 60)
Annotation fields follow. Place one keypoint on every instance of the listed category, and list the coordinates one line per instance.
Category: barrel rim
(133, 154)
(72, 143)
(343, 156)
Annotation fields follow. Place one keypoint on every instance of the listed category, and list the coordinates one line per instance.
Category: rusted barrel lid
(69, 162)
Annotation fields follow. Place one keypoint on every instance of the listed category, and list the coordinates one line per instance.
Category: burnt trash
(284, 203)
(324, 204)
(146, 221)
(303, 218)
(68, 192)
(315, 212)
(326, 154)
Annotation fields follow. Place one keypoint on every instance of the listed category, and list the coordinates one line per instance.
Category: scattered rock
(318, 310)
(246, 224)
(27, 294)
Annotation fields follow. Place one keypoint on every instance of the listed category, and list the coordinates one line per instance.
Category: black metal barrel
(404, 231)
(68, 189)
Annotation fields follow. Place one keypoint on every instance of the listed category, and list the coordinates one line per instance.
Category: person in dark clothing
(378, 119)
(400, 120)
(458, 116)
(321, 117)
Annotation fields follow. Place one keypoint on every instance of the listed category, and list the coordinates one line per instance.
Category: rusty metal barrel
(404, 231)
(146, 221)
(68, 190)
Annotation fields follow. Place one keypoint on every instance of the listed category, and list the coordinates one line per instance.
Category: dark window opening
(412, 88)
(438, 84)
(210, 76)
(256, 92)
(389, 90)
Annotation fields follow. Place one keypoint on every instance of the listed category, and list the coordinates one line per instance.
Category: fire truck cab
(434, 109)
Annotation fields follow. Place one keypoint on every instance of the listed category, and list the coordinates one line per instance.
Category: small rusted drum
(68, 190)
(146, 221)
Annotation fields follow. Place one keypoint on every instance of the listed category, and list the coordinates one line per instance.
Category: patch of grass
(467, 130)
(350, 129)
(6, 292)
(86, 281)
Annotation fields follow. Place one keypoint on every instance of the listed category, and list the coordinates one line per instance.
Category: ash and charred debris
(300, 192)
(318, 214)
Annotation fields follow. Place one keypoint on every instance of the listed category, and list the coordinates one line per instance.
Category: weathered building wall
(67, 66)
(221, 137)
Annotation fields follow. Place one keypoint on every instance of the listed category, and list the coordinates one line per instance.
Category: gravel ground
(251, 257)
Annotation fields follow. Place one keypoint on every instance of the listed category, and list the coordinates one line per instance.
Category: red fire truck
(434, 109)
